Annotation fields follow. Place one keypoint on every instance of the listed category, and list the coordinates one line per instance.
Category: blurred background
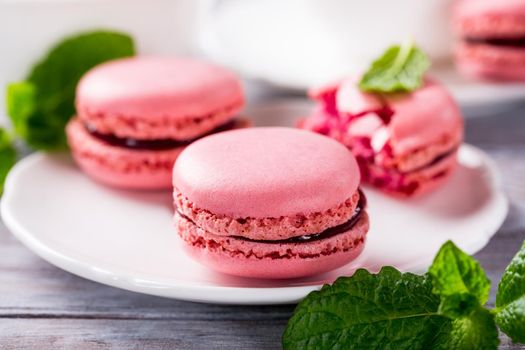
(278, 46)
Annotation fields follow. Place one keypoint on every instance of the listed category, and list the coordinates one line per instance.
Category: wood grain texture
(43, 307)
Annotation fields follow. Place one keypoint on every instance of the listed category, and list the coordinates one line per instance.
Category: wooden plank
(504, 127)
(80, 334)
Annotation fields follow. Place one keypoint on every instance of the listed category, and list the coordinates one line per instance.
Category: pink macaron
(269, 203)
(492, 38)
(405, 144)
(135, 116)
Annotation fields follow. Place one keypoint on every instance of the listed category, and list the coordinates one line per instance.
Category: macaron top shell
(490, 18)
(468, 8)
(158, 87)
(420, 118)
(266, 172)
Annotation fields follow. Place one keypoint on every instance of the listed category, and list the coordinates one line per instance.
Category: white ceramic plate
(126, 239)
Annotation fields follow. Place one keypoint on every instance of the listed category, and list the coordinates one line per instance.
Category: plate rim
(192, 292)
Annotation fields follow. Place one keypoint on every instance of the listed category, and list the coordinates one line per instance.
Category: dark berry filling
(518, 42)
(434, 161)
(153, 145)
(395, 180)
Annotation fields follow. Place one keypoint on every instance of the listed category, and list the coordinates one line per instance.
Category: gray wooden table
(44, 307)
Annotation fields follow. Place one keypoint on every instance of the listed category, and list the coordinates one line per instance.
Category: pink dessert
(135, 115)
(405, 144)
(492, 37)
(269, 203)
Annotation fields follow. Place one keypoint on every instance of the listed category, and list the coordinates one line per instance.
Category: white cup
(298, 43)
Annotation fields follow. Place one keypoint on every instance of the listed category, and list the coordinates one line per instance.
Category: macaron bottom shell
(491, 62)
(270, 260)
(429, 167)
(414, 183)
(118, 166)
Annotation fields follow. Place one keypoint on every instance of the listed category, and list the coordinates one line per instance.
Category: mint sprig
(399, 69)
(41, 105)
(443, 309)
(7, 156)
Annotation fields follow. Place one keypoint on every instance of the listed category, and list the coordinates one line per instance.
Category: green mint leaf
(463, 287)
(510, 299)
(21, 103)
(7, 157)
(511, 320)
(400, 69)
(40, 106)
(477, 331)
(512, 284)
(458, 305)
(368, 311)
(455, 272)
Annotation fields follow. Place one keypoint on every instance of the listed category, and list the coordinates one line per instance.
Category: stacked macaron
(405, 142)
(492, 38)
(269, 203)
(135, 116)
